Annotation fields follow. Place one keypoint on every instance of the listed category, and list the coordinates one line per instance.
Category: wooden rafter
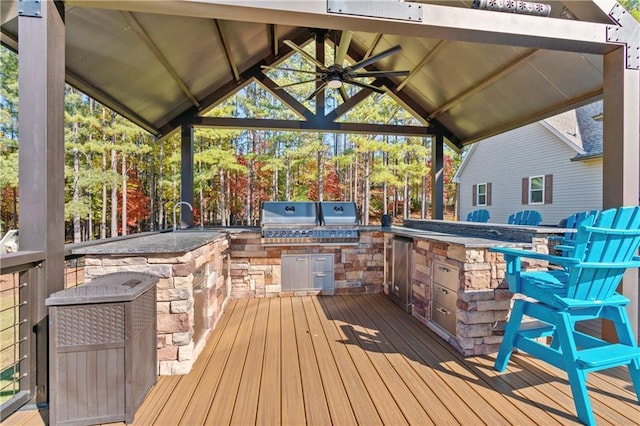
(374, 44)
(539, 115)
(490, 79)
(227, 48)
(107, 100)
(310, 126)
(428, 57)
(273, 38)
(131, 20)
(283, 96)
(351, 103)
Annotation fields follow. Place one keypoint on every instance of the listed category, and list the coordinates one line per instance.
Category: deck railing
(19, 274)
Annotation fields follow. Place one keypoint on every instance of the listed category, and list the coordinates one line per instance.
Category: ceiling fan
(336, 76)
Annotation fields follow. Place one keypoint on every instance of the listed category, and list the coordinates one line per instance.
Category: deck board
(351, 360)
(269, 408)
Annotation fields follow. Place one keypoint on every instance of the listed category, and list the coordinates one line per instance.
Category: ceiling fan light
(334, 83)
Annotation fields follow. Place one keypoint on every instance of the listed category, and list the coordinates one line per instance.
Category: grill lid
(298, 213)
(338, 213)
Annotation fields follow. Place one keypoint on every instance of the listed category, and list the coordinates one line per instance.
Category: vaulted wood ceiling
(474, 73)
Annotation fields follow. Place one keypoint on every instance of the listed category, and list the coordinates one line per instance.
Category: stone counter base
(177, 349)
(256, 268)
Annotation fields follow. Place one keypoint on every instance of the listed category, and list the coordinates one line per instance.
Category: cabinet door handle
(442, 268)
(444, 290)
(301, 259)
(320, 275)
(442, 311)
(321, 259)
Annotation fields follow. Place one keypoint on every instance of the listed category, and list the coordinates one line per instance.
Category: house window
(481, 194)
(537, 190)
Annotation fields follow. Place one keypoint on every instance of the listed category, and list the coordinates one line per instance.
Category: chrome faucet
(174, 212)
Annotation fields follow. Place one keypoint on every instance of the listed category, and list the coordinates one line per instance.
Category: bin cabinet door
(322, 272)
(295, 272)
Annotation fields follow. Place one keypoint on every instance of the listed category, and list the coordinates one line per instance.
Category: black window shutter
(525, 190)
(548, 189)
(474, 193)
(488, 193)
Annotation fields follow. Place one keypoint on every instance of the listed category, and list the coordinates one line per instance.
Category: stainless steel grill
(301, 223)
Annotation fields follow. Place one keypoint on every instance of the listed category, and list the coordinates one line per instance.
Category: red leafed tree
(137, 204)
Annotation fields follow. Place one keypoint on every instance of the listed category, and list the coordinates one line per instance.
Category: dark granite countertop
(156, 243)
(451, 238)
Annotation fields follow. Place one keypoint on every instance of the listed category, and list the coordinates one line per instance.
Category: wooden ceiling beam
(371, 48)
(351, 103)
(310, 126)
(567, 105)
(428, 58)
(283, 95)
(110, 102)
(227, 48)
(273, 38)
(131, 20)
(487, 81)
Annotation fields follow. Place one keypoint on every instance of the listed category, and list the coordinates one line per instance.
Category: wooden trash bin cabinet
(102, 349)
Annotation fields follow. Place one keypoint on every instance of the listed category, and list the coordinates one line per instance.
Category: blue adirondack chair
(566, 243)
(525, 217)
(605, 246)
(480, 215)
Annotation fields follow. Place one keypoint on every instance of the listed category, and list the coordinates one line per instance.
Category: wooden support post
(41, 161)
(437, 177)
(186, 176)
(621, 161)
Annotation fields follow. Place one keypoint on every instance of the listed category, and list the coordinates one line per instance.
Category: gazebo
(473, 72)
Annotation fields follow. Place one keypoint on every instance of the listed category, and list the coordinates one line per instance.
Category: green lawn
(8, 350)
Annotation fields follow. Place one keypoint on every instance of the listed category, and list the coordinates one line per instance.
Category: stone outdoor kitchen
(440, 272)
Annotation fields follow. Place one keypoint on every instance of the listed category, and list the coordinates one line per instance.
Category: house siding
(532, 150)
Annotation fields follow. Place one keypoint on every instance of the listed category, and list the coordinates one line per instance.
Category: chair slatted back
(525, 217)
(480, 215)
(603, 250)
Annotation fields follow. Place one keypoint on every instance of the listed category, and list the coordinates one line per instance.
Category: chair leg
(577, 377)
(620, 318)
(509, 338)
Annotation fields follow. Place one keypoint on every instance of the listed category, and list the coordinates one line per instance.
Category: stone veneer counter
(160, 243)
(192, 267)
(482, 299)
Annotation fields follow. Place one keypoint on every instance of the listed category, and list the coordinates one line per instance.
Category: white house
(553, 166)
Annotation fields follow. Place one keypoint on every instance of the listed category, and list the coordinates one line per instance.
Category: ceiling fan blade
(315, 92)
(343, 47)
(365, 86)
(297, 83)
(343, 93)
(267, 67)
(305, 54)
(380, 74)
(375, 58)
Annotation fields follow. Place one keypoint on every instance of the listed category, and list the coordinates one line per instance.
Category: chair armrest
(555, 238)
(535, 255)
(634, 263)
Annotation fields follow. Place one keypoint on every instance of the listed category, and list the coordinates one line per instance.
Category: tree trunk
(287, 179)
(103, 219)
(320, 173)
(366, 190)
(385, 187)
(77, 232)
(223, 205)
(124, 193)
(406, 207)
(114, 189)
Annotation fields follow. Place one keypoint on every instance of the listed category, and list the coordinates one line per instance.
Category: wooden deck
(359, 360)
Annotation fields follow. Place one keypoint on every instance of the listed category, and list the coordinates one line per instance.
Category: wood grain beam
(310, 126)
(131, 20)
(428, 58)
(227, 48)
(487, 81)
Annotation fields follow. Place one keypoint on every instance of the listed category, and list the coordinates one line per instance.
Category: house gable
(538, 149)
